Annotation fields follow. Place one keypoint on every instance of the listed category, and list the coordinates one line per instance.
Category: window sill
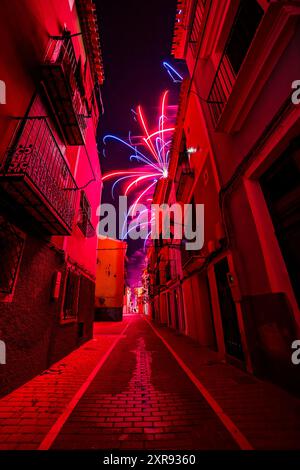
(67, 321)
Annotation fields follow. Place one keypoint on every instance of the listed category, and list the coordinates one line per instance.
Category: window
(84, 222)
(281, 188)
(11, 247)
(70, 306)
(231, 331)
(246, 22)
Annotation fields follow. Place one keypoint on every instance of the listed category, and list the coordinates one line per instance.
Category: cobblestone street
(135, 387)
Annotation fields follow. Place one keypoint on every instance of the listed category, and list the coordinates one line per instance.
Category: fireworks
(150, 151)
(175, 76)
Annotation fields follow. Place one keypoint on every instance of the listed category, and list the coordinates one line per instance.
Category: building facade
(236, 150)
(50, 181)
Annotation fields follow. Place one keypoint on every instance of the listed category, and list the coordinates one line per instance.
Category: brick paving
(266, 414)
(28, 413)
(141, 399)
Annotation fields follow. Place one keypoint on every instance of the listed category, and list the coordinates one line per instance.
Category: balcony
(35, 176)
(62, 78)
(245, 25)
(189, 24)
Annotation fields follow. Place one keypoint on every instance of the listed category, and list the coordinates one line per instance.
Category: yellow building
(110, 279)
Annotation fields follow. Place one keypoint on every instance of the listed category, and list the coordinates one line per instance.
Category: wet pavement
(141, 398)
(135, 386)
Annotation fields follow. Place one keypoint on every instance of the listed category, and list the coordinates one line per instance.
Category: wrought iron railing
(61, 52)
(36, 156)
(221, 88)
(197, 16)
(236, 48)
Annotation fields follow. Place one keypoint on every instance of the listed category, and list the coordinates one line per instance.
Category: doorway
(232, 337)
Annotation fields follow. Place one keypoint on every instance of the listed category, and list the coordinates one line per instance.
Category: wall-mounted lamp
(191, 150)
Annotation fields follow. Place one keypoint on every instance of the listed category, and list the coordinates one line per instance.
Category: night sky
(136, 37)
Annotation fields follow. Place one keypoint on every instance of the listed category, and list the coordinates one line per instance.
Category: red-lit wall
(257, 124)
(31, 322)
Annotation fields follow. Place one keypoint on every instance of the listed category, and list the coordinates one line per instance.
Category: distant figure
(2, 353)
(2, 92)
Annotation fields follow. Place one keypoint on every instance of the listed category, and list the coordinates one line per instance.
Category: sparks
(176, 77)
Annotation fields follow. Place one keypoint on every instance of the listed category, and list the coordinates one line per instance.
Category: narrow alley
(135, 386)
(150, 230)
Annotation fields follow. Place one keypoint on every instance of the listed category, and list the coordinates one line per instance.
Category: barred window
(70, 307)
(11, 247)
